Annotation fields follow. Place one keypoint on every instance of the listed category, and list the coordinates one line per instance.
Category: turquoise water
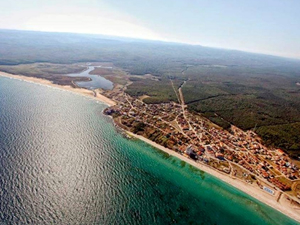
(63, 162)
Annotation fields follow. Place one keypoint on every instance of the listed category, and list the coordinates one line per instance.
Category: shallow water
(96, 80)
(63, 162)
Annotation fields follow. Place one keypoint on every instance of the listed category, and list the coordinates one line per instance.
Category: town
(234, 152)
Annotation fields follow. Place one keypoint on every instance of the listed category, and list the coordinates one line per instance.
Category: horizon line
(156, 40)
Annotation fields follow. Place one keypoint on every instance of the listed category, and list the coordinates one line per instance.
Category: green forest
(251, 91)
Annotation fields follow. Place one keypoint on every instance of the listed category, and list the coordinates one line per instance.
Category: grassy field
(49, 71)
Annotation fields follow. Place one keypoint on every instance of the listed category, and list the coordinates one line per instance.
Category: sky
(262, 26)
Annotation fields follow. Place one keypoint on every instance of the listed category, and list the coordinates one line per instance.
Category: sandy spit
(82, 91)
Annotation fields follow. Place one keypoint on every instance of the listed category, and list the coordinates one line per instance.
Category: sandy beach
(82, 91)
(283, 205)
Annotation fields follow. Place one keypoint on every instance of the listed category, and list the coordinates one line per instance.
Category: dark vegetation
(252, 91)
(160, 90)
(264, 99)
(52, 72)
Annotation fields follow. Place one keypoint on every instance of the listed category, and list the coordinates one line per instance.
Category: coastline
(283, 206)
(82, 91)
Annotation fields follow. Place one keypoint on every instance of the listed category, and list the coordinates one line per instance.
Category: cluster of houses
(197, 137)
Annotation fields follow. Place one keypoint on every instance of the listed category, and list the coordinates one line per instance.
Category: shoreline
(82, 91)
(282, 206)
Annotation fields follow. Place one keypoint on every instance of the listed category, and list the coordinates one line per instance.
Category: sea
(63, 162)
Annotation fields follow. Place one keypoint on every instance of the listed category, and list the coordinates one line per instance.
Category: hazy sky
(265, 26)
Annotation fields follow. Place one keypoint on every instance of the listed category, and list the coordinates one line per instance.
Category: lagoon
(95, 82)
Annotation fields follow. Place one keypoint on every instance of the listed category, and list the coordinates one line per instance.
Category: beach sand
(82, 91)
(283, 205)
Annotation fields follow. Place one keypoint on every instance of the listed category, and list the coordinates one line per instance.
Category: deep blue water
(96, 80)
(63, 162)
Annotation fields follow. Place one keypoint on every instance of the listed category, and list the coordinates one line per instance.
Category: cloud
(99, 24)
(95, 17)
